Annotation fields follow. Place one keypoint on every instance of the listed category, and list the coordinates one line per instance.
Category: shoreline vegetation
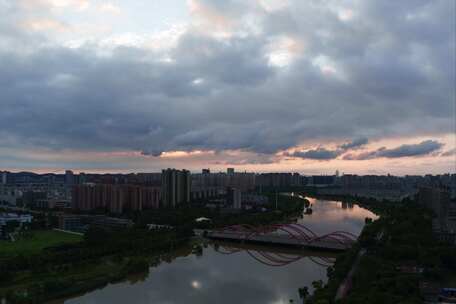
(400, 255)
(400, 240)
(67, 269)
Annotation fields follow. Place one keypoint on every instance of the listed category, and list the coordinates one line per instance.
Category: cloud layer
(423, 148)
(322, 153)
(263, 78)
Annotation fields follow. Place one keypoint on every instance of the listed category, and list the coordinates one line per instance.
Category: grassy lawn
(36, 241)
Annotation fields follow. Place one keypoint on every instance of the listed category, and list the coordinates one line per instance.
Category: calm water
(225, 274)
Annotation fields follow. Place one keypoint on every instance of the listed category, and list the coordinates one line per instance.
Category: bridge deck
(276, 239)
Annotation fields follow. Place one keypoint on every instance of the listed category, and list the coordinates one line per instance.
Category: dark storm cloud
(322, 153)
(423, 148)
(318, 154)
(394, 69)
(356, 143)
(151, 153)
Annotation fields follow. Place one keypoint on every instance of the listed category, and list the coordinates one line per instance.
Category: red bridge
(296, 235)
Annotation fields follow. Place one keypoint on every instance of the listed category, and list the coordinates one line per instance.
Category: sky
(364, 87)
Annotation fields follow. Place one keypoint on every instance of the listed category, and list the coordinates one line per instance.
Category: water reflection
(276, 256)
(329, 216)
(212, 278)
(234, 276)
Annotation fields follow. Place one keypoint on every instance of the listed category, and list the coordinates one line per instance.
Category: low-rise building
(112, 222)
(52, 203)
(70, 222)
(81, 222)
(20, 219)
(254, 199)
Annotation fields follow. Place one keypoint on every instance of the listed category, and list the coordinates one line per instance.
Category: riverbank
(69, 269)
(401, 257)
(32, 242)
(104, 257)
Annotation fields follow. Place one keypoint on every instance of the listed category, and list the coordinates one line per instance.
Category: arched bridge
(279, 256)
(283, 234)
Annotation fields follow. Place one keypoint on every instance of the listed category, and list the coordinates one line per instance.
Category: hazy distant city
(117, 194)
(66, 190)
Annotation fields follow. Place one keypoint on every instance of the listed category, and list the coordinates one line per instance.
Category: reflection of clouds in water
(196, 284)
(237, 278)
(329, 216)
(212, 278)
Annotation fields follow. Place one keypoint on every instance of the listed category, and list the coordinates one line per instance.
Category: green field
(35, 241)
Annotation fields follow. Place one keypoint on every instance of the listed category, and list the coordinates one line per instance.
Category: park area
(33, 242)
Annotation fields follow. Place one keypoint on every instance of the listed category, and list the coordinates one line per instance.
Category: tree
(303, 292)
(96, 236)
(11, 226)
(317, 284)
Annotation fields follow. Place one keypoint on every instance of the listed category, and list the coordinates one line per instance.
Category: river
(225, 274)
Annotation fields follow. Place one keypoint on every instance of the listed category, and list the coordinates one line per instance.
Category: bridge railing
(297, 232)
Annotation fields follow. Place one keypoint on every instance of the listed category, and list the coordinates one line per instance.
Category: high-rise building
(82, 178)
(206, 171)
(274, 180)
(234, 197)
(115, 198)
(4, 178)
(438, 200)
(176, 186)
(230, 171)
(69, 177)
(243, 181)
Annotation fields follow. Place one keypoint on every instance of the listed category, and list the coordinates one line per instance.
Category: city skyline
(264, 86)
(221, 171)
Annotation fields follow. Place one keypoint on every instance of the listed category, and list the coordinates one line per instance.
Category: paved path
(347, 283)
(67, 231)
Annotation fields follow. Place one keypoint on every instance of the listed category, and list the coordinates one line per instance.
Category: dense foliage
(106, 255)
(48, 273)
(400, 240)
(184, 216)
